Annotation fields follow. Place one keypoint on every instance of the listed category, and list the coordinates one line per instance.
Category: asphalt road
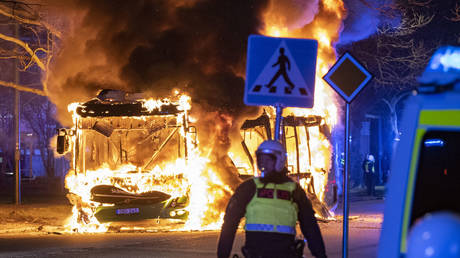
(363, 239)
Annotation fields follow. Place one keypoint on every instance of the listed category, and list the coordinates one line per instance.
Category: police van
(425, 169)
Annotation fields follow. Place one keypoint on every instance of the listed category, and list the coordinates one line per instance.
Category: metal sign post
(347, 77)
(346, 208)
(279, 117)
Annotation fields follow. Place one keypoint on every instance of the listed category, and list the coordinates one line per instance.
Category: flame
(151, 104)
(184, 102)
(205, 189)
(325, 28)
(192, 177)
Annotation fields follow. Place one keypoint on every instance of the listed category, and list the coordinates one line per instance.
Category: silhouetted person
(369, 174)
(282, 62)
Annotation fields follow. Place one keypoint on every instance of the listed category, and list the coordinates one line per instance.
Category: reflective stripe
(270, 228)
(259, 227)
(285, 229)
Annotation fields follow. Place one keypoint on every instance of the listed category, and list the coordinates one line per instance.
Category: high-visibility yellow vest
(272, 209)
(369, 167)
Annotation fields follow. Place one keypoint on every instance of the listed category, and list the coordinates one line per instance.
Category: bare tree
(392, 106)
(396, 56)
(39, 113)
(6, 130)
(27, 41)
(30, 40)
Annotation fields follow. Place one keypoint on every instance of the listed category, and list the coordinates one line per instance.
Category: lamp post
(17, 129)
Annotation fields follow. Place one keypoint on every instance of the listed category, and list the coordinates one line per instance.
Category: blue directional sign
(347, 77)
(280, 71)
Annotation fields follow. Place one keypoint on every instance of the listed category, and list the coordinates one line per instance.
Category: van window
(437, 184)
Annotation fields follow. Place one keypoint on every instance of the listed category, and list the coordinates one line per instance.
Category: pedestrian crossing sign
(280, 71)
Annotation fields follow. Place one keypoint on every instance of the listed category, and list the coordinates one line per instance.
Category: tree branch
(419, 3)
(26, 48)
(411, 24)
(387, 9)
(30, 21)
(22, 88)
(456, 13)
(31, 60)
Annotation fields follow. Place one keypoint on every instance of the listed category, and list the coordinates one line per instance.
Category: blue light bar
(434, 143)
(443, 68)
(449, 59)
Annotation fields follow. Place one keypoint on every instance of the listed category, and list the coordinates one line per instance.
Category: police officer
(369, 174)
(272, 204)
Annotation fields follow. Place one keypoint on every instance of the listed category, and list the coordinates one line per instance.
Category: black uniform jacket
(269, 242)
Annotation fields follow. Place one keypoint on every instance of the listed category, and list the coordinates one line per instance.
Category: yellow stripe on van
(410, 187)
(440, 117)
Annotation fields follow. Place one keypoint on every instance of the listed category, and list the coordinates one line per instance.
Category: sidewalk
(36, 213)
(364, 208)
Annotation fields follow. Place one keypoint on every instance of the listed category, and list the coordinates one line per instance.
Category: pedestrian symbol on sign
(282, 62)
(269, 82)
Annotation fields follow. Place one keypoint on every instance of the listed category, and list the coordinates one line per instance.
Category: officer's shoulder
(247, 183)
(249, 180)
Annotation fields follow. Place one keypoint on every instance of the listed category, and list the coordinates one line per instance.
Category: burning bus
(305, 140)
(121, 149)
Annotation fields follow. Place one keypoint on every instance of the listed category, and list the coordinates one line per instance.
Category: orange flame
(325, 28)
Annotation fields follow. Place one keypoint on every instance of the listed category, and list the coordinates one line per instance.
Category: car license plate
(127, 211)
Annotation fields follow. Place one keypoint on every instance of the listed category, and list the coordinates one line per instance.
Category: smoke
(292, 14)
(364, 17)
(155, 46)
(198, 47)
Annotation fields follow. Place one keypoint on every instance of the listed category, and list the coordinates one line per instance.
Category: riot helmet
(276, 150)
(370, 157)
